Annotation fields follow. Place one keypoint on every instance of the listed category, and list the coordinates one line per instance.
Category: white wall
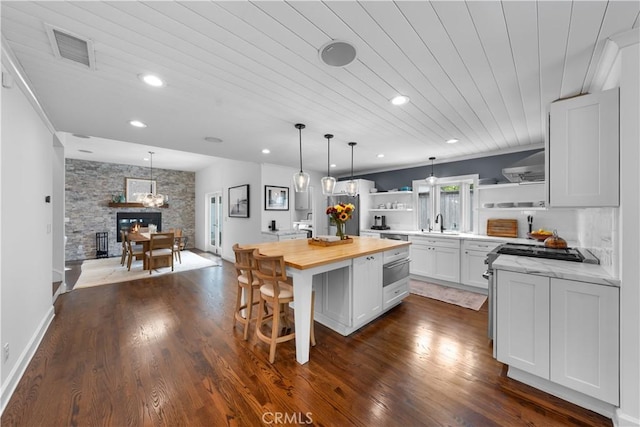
(26, 229)
(219, 177)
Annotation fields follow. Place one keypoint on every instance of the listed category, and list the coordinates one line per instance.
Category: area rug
(451, 295)
(108, 270)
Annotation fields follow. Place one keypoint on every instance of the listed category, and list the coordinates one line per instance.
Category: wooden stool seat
(247, 284)
(275, 291)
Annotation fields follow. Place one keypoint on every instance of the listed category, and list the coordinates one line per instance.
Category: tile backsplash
(597, 228)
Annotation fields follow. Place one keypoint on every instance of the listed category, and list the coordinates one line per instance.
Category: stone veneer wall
(89, 187)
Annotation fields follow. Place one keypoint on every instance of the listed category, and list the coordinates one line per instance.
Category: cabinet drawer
(395, 254)
(436, 241)
(395, 293)
(480, 245)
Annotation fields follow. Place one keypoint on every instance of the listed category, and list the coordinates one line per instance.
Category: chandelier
(151, 199)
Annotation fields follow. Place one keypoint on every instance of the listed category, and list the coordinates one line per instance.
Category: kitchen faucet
(441, 222)
(309, 215)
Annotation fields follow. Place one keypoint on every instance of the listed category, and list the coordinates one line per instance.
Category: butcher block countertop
(301, 255)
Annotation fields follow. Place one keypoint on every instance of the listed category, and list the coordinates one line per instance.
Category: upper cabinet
(583, 151)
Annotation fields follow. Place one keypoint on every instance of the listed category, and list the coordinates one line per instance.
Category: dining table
(304, 260)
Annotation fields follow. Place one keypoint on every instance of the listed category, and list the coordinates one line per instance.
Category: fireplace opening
(126, 220)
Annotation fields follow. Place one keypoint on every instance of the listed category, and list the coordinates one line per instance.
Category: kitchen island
(305, 262)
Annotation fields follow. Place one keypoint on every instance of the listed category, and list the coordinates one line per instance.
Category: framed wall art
(276, 198)
(239, 201)
(138, 186)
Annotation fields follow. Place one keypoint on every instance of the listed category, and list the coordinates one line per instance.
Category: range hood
(529, 169)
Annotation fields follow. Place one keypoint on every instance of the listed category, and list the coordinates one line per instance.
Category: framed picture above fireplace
(239, 201)
(135, 186)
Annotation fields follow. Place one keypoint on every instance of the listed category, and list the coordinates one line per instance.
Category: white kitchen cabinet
(583, 151)
(473, 256)
(367, 288)
(584, 338)
(268, 236)
(292, 236)
(394, 293)
(301, 200)
(561, 330)
(336, 296)
(522, 316)
(436, 258)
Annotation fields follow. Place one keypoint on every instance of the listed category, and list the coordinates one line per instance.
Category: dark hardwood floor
(164, 351)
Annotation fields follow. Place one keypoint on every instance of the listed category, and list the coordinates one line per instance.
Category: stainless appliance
(352, 227)
(395, 271)
(395, 236)
(535, 251)
(529, 169)
(380, 223)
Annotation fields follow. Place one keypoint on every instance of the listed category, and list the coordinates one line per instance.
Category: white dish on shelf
(524, 204)
(373, 190)
(487, 205)
(505, 205)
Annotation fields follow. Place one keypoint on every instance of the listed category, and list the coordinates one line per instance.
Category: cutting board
(502, 227)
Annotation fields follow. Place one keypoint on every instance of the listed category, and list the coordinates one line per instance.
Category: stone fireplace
(126, 220)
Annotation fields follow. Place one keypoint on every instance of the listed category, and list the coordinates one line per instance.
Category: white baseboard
(621, 419)
(9, 386)
(577, 398)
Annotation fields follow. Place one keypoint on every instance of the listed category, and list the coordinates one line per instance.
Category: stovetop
(538, 251)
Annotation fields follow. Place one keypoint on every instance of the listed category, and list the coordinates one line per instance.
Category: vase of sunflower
(338, 215)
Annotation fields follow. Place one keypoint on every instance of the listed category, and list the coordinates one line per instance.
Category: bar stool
(277, 292)
(247, 283)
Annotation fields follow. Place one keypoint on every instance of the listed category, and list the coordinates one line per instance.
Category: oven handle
(487, 274)
(397, 263)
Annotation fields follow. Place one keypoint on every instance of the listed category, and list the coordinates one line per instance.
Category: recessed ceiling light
(212, 139)
(400, 100)
(333, 165)
(452, 141)
(137, 123)
(79, 135)
(151, 80)
(86, 151)
(265, 151)
(380, 155)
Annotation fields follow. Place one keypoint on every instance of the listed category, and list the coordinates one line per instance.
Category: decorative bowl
(539, 237)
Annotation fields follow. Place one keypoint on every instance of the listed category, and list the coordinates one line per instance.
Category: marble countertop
(457, 236)
(283, 232)
(590, 273)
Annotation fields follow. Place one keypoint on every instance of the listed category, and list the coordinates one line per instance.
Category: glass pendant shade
(328, 182)
(301, 182)
(151, 199)
(352, 184)
(432, 180)
(301, 179)
(352, 187)
(328, 185)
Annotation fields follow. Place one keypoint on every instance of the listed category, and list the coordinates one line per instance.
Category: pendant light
(328, 182)
(301, 179)
(432, 180)
(151, 199)
(352, 184)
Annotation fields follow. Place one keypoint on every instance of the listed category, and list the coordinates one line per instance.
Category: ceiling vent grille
(71, 47)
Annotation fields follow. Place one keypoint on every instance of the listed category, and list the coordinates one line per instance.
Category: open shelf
(390, 210)
(387, 193)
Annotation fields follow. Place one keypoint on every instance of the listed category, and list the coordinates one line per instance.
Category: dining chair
(278, 293)
(179, 243)
(160, 248)
(123, 238)
(247, 283)
(133, 251)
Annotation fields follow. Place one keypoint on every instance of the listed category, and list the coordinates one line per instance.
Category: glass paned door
(214, 235)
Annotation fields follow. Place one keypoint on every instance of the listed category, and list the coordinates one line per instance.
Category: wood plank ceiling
(245, 72)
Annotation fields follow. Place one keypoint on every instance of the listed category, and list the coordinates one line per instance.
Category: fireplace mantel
(133, 205)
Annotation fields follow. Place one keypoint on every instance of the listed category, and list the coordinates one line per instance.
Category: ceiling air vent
(71, 47)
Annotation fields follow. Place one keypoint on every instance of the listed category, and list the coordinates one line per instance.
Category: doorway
(214, 223)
